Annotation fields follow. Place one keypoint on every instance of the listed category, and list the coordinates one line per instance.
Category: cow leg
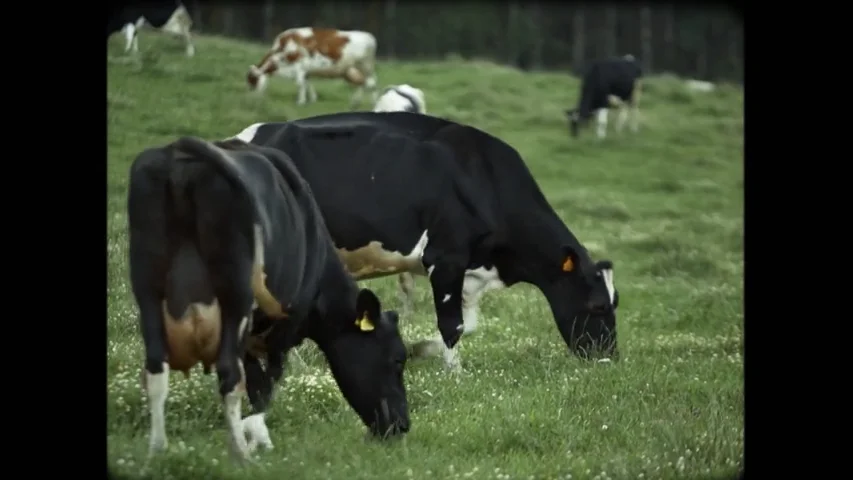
(301, 82)
(602, 122)
(156, 369)
(188, 40)
(260, 384)
(623, 116)
(635, 118)
(129, 32)
(447, 279)
(312, 94)
(407, 288)
(371, 83)
(229, 369)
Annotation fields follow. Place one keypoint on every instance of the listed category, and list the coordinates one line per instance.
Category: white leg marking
(446, 298)
(255, 427)
(430, 270)
(312, 94)
(476, 283)
(602, 122)
(157, 386)
(231, 407)
(608, 282)
(623, 116)
(244, 324)
(248, 133)
(303, 88)
(190, 47)
(128, 30)
(635, 118)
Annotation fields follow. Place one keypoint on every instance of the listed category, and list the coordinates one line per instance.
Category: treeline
(688, 40)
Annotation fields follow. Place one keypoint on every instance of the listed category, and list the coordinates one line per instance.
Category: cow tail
(203, 150)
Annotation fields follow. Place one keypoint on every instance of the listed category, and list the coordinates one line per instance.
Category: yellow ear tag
(568, 265)
(364, 324)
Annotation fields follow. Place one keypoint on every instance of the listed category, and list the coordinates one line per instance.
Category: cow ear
(368, 309)
(570, 260)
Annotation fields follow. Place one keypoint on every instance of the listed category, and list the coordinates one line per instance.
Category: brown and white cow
(306, 52)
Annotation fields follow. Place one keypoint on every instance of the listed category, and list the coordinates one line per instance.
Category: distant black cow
(607, 84)
(407, 192)
(217, 229)
(170, 16)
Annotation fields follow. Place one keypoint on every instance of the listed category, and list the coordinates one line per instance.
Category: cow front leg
(302, 84)
(260, 385)
(407, 289)
(156, 370)
(229, 369)
(447, 280)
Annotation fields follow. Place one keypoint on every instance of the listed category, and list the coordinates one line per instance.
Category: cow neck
(335, 306)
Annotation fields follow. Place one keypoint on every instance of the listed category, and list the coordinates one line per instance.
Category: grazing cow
(169, 16)
(401, 98)
(407, 192)
(306, 52)
(219, 229)
(607, 84)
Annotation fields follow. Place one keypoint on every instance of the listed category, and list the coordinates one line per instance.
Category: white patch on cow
(430, 270)
(248, 133)
(393, 101)
(255, 428)
(157, 386)
(602, 122)
(608, 283)
(446, 298)
(231, 409)
(244, 324)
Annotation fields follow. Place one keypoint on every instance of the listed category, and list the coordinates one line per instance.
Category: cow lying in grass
(218, 230)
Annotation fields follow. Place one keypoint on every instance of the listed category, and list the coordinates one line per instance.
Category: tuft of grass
(665, 205)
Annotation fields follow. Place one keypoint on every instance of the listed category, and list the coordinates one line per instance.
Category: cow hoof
(157, 446)
(256, 430)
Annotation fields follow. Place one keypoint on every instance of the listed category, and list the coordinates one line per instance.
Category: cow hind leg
(312, 93)
(156, 369)
(601, 118)
(407, 290)
(130, 37)
(623, 117)
(232, 377)
(188, 40)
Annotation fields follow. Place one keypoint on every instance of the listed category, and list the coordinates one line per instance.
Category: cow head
(256, 79)
(574, 121)
(583, 300)
(367, 359)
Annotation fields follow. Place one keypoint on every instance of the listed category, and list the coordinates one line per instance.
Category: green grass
(666, 205)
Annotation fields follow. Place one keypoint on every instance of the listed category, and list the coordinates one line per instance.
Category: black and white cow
(608, 84)
(217, 230)
(170, 16)
(401, 98)
(408, 192)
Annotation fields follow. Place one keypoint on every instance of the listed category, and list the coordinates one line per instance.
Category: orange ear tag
(568, 265)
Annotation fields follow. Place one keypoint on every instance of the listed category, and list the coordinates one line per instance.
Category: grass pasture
(665, 205)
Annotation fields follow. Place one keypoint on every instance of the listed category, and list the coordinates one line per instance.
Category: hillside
(666, 205)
